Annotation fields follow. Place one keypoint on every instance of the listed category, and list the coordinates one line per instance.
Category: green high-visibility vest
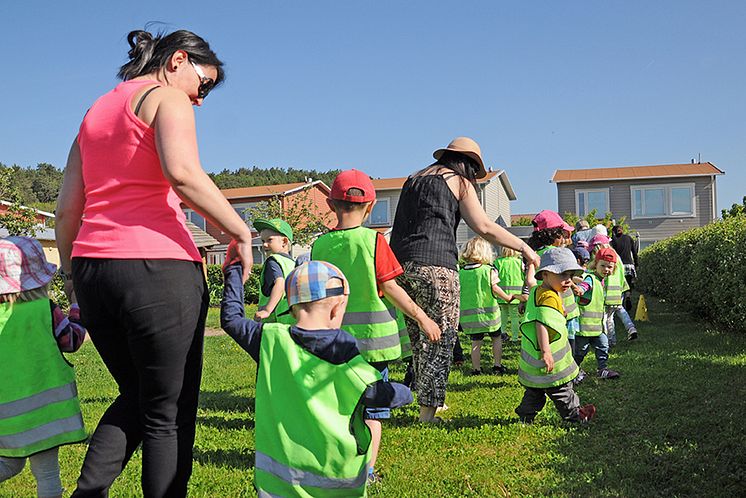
(570, 303)
(480, 311)
(510, 271)
(311, 439)
(531, 368)
(369, 319)
(39, 407)
(281, 313)
(614, 285)
(592, 314)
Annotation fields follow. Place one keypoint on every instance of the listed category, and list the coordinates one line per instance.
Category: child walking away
(366, 258)
(39, 407)
(546, 367)
(615, 286)
(510, 268)
(312, 386)
(480, 311)
(592, 314)
(276, 237)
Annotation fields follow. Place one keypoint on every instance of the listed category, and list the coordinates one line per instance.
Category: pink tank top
(131, 211)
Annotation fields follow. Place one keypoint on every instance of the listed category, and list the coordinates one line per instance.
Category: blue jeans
(609, 324)
(600, 345)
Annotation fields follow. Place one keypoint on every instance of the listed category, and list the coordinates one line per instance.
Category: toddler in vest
(313, 386)
(364, 255)
(277, 237)
(614, 288)
(546, 367)
(510, 268)
(591, 301)
(39, 407)
(480, 312)
(573, 317)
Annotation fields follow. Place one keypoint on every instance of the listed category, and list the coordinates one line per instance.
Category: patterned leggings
(436, 290)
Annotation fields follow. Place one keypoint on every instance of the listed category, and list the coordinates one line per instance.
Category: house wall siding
(652, 229)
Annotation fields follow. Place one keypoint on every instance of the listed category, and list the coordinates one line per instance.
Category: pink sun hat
(23, 265)
(550, 219)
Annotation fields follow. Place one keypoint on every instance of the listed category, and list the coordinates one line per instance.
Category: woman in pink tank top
(126, 253)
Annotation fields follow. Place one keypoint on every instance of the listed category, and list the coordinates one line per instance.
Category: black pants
(146, 319)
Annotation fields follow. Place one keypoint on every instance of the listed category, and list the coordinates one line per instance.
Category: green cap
(276, 225)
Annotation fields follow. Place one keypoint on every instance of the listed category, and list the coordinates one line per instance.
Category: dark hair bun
(140, 42)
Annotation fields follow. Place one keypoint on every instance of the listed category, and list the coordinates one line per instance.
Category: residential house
(246, 197)
(494, 191)
(44, 232)
(657, 201)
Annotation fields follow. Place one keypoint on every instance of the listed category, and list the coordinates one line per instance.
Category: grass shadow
(222, 423)
(237, 459)
(225, 400)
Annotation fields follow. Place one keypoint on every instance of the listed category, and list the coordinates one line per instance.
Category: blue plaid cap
(310, 282)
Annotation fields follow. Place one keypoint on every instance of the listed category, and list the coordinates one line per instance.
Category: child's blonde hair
(478, 250)
(507, 252)
(22, 297)
(592, 263)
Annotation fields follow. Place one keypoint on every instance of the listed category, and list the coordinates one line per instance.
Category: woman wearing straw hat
(431, 205)
(138, 275)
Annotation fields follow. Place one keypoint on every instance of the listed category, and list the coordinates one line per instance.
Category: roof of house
(38, 211)
(636, 172)
(398, 183)
(201, 238)
(272, 190)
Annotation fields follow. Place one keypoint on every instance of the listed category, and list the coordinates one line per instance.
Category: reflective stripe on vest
(570, 304)
(39, 407)
(311, 437)
(592, 314)
(369, 318)
(480, 311)
(404, 340)
(614, 286)
(531, 367)
(298, 477)
(281, 312)
(510, 270)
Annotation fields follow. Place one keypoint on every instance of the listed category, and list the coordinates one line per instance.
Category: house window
(588, 200)
(380, 214)
(662, 201)
(195, 218)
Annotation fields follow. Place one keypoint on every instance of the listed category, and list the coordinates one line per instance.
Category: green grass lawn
(673, 425)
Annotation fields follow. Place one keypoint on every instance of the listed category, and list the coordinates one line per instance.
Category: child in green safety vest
(277, 237)
(512, 277)
(364, 255)
(39, 407)
(615, 285)
(312, 386)
(546, 367)
(480, 311)
(591, 303)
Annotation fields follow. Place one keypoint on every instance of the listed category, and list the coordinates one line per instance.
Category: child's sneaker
(632, 334)
(581, 376)
(499, 370)
(504, 337)
(606, 373)
(586, 413)
(373, 476)
(476, 372)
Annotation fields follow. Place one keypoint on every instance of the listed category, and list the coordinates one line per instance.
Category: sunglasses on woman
(205, 84)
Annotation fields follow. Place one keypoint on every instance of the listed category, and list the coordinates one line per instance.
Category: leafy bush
(702, 270)
(215, 285)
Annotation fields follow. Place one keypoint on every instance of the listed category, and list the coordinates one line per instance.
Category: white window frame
(369, 222)
(188, 214)
(586, 191)
(667, 200)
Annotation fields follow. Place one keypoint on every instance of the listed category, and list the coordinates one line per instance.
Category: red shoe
(586, 413)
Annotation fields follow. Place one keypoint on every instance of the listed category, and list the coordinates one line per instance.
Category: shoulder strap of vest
(142, 99)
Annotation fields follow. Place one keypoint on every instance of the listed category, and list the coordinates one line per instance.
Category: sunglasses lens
(205, 87)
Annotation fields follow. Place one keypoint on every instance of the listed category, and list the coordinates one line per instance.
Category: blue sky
(378, 85)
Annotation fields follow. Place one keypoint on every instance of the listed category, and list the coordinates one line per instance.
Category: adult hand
(430, 329)
(530, 256)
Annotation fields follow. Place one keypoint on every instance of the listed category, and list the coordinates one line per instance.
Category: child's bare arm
(275, 295)
(542, 336)
(404, 303)
(498, 292)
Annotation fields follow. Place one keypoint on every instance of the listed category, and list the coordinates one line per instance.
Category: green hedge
(702, 271)
(215, 284)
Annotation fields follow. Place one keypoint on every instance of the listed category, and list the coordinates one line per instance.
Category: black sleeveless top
(425, 223)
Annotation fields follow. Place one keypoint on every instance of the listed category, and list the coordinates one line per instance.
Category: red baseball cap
(353, 178)
(606, 254)
(550, 219)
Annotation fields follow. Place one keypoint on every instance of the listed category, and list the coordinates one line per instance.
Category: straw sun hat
(467, 147)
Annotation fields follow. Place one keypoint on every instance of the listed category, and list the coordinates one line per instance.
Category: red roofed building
(658, 201)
